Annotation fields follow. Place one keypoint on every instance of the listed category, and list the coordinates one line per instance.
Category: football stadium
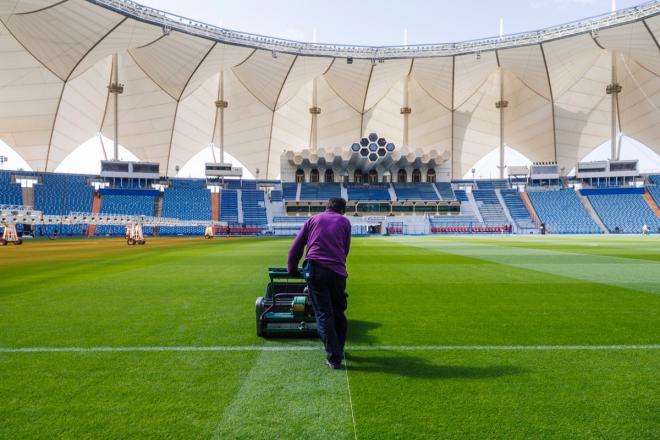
(500, 234)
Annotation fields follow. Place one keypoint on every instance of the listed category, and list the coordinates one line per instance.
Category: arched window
(329, 176)
(300, 176)
(373, 176)
(430, 175)
(314, 176)
(358, 177)
(416, 176)
(401, 176)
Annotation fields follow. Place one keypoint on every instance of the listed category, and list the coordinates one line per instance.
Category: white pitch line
(350, 399)
(317, 348)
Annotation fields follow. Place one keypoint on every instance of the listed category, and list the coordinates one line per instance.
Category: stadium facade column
(501, 105)
(315, 111)
(219, 127)
(116, 89)
(406, 110)
(613, 89)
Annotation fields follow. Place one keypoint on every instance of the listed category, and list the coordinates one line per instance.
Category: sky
(382, 22)
(370, 22)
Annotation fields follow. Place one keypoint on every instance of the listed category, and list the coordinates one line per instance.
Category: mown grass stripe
(280, 348)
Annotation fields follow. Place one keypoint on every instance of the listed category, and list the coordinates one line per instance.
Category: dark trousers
(328, 292)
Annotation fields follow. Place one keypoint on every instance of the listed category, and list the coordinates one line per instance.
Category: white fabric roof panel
(582, 113)
(9, 7)
(384, 118)
(639, 103)
(247, 125)
(435, 76)
(527, 64)
(471, 73)
(634, 41)
(292, 124)
(476, 126)
(263, 75)
(338, 124)
(80, 112)
(29, 95)
(221, 57)
(383, 78)
(350, 81)
(304, 70)
(429, 124)
(146, 115)
(170, 61)
(528, 123)
(130, 33)
(60, 36)
(193, 127)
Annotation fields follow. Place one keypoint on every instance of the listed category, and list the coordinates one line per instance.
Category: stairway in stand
(215, 206)
(649, 200)
(96, 208)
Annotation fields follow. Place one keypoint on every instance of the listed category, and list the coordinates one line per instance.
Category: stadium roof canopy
(57, 59)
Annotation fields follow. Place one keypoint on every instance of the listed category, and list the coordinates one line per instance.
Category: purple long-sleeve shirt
(328, 239)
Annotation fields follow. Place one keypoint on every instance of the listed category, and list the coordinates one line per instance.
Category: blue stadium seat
(60, 194)
(562, 212)
(492, 184)
(187, 200)
(289, 191)
(627, 212)
(128, 204)
(10, 193)
(490, 207)
(319, 191)
(276, 195)
(517, 208)
(415, 191)
(461, 196)
(254, 208)
(228, 206)
(375, 192)
(445, 190)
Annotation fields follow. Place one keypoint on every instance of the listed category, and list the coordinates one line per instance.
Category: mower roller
(286, 309)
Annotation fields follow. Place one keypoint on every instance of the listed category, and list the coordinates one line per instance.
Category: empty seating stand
(128, 201)
(492, 184)
(254, 208)
(289, 191)
(623, 210)
(489, 207)
(445, 190)
(562, 212)
(655, 193)
(461, 196)
(517, 209)
(415, 191)
(10, 193)
(60, 194)
(319, 191)
(357, 191)
(229, 206)
(186, 199)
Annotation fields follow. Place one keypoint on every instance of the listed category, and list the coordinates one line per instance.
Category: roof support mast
(613, 89)
(219, 129)
(116, 89)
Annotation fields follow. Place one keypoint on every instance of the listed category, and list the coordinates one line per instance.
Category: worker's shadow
(404, 364)
(400, 364)
(358, 331)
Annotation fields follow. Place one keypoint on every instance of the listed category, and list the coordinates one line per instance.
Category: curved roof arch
(57, 59)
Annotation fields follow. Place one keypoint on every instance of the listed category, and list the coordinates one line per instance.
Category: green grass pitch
(429, 317)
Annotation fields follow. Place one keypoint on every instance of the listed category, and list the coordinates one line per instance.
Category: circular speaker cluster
(373, 147)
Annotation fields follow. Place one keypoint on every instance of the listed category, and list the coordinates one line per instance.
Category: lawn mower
(9, 235)
(286, 309)
(134, 234)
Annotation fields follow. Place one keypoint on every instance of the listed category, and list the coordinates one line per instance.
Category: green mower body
(286, 308)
